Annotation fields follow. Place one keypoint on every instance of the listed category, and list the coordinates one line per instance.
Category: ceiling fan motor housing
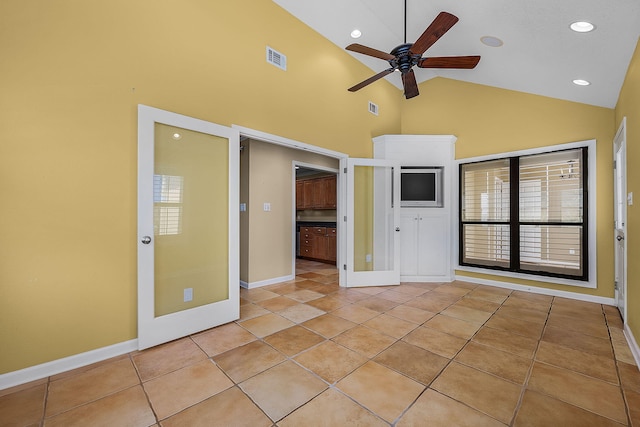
(404, 59)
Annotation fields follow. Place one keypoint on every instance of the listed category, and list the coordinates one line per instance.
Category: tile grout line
(45, 401)
(530, 370)
(144, 390)
(615, 360)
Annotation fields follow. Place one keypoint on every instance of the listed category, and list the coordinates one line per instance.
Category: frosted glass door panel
(190, 219)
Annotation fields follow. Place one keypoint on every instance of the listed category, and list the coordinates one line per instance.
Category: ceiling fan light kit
(407, 55)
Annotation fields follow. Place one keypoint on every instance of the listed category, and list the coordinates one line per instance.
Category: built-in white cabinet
(425, 233)
(424, 246)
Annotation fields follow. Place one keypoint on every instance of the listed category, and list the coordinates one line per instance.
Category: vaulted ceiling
(540, 53)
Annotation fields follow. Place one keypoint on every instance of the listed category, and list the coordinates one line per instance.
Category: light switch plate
(630, 199)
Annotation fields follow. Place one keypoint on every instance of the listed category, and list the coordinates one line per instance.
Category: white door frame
(154, 330)
(341, 187)
(620, 229)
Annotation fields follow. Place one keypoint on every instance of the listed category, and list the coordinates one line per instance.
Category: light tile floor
(308, 353)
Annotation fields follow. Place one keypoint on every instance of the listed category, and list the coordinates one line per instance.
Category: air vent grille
(276, 58)
(373, 108)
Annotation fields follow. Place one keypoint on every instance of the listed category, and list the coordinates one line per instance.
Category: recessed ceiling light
(491, 41)
(176, 136)
(356, 33)
(581, 82)
(582, 27)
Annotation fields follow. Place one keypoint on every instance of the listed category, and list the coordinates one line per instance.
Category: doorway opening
(315, 213)
(268, 215)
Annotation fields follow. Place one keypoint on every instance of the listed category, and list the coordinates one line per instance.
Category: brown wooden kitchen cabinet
(299, 195)
(318, 243)
(332, 245)
(316, 193)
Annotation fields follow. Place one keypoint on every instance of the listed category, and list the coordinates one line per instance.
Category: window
(167, 204)
(526, 214)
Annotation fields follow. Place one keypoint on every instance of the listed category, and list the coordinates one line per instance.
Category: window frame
(589, 278)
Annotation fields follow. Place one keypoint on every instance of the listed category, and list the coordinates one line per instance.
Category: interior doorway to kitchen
(268, 228)
(315, 213)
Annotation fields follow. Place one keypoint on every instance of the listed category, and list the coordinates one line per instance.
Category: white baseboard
(261, 283)
(54, 367)
(537, 290)
(633, 344)
(426, 279)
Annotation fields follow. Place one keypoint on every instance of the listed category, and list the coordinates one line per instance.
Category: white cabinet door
(433, 246)
(409, 244)
(425, 245)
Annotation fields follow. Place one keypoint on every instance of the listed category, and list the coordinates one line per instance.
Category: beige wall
(266, 248)
(629, 106)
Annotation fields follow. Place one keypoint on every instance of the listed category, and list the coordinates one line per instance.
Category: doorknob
(397, 228)
(619, 238)
(146, 240)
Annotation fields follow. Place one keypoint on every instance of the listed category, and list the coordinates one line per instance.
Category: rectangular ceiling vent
(373, 108)
(276, 58)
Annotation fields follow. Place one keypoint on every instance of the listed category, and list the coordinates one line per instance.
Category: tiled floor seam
(525, 385)
(45, 401)
(144, 390)
(624, 397)
(428, 387)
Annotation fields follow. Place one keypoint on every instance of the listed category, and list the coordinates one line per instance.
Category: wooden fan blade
(464, 62)
(443, 22)
(355, 47)
(410, 84)
(370, 80)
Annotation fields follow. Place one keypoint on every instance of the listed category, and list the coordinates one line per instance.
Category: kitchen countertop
(315, 223)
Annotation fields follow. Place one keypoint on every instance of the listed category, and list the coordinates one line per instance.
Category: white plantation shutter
(551, 212)
(485, 213)
(540, 228)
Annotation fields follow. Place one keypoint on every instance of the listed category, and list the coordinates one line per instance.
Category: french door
(620, 212)
(372, 222)
(188, 235)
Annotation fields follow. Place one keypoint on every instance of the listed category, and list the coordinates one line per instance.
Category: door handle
(146, 240)
(619, 238)
(397, 228)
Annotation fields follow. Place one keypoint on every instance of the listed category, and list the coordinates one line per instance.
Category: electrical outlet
(367, 258)
(267, 207)
(188, 294)
(243, 207)
(630, 199)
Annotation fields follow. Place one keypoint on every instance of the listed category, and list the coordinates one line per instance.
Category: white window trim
(592, 283)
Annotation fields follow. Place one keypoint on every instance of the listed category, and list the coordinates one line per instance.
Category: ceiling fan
(405, 56)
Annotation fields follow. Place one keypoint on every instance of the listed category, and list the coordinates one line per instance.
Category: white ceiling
(540, 55)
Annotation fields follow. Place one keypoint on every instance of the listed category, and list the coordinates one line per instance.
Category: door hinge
(345, 170)
(345, 218)
(615, 162)
(344, 267)
(615, 285)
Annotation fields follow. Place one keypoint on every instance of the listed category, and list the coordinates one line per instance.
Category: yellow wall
(71, 76)
(629, 106)
(269, 235)
(489, 120)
